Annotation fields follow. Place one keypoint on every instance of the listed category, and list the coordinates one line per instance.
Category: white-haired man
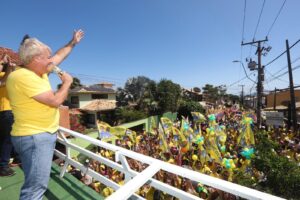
(35, 108)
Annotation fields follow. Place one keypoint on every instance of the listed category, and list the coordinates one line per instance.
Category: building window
(99, 96)
(74, 99)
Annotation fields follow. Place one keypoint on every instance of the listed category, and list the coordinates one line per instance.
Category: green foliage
(125, 114)
(137, 86)
(213, 93)
(282, 175)
(244, 179)
(168, 96)
(148, 103)
(188, 106)
(139, 91)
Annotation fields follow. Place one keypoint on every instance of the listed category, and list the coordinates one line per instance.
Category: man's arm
(62, 53)
(56, 99)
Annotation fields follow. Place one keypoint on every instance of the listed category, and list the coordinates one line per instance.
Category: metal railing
(134, 180)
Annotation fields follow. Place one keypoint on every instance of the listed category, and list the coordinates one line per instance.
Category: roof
(100, 105)
(191, 91)
(280, 107)
(92, 89)
(13, 55)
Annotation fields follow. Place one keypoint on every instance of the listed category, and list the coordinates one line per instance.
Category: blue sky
(191, 42)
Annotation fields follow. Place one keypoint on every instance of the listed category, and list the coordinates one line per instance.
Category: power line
(276, 17)
(283, 68)
(281, 54)
(239, 80)
(274, 76)
(95, 76)
(261, 11)
(294, 68)
(243, 30)
(91, 78)
(244, 19)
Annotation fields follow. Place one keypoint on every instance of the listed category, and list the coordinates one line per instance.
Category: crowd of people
(220, 144)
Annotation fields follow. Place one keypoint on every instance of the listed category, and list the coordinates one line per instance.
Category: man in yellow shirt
(6, 118)
(35, 109)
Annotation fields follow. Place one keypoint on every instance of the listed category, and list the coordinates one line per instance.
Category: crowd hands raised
(220, 144)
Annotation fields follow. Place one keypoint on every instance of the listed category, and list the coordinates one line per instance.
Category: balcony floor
(67, 188)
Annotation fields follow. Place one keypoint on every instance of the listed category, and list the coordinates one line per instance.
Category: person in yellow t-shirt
(35, 109)
(6, 118)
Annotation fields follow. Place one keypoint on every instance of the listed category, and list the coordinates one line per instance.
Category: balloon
(211, 131)
(211, 117)
(184, 149)
(194, 157)
(186, 126)
(223, 148)
(228, 163)
(247, 153)
(199, 140)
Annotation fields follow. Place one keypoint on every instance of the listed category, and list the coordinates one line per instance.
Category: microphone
(55, 69)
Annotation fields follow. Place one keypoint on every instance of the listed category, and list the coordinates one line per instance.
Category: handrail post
(68, 155)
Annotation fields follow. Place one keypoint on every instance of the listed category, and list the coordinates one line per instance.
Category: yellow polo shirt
(4, 102)
(31, 117)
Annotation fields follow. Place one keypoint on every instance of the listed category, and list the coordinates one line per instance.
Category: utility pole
(292, 92)
(274, 100)
(242, 95)
(260, 74)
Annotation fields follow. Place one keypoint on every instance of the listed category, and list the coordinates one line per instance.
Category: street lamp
(238, 61)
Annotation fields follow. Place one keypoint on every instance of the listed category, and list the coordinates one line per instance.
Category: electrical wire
(244, 19)
(261, 11)
(274, 76)
(239, 80)
(294, 68)
(283, 68)
(276, 17)
(282, 53)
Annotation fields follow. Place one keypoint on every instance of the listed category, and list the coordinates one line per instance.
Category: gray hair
(30, 48)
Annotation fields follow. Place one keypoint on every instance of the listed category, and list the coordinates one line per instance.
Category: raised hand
(77, 36)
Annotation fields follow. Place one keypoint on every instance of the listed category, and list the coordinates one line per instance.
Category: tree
(76, 83)
(139, 91)
(213, 93)
(148, 102)
(125, 114)
(123, 97)
(168, 95)
(188, 106)
(136, 86)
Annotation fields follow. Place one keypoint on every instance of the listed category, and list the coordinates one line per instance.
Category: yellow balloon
(106, 192)
(194, 157)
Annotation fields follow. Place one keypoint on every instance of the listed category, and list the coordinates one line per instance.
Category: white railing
(134, 180)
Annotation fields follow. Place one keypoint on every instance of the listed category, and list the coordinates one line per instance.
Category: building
(14, 57)
(194, 94)
(93, 100)
(281, 98)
